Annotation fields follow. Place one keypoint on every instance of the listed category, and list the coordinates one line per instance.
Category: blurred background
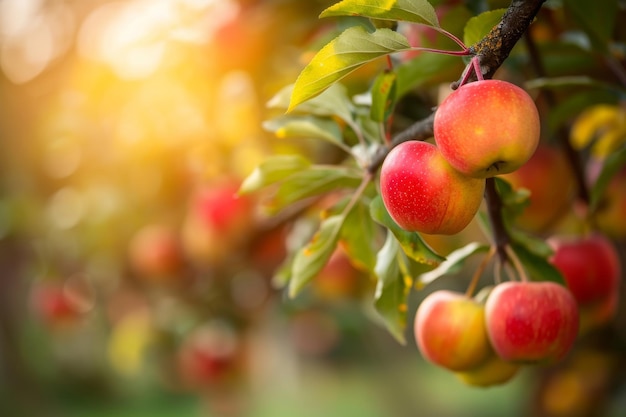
(133, 282)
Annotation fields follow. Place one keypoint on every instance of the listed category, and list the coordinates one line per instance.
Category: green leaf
(514, 201)
(334, 101)
(383, 96)
(478, 26)
(358, 236)
(417, 11)
(427, 69)
(344, 54)
(411, 242)
(392, 288)
(453, 263)
(313, 181)
(305, 127)
(537, 266)
(612, 164)
(274, 169)
(310, 260)
(597, 20)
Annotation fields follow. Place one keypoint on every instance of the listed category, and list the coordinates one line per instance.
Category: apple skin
(487, 128)
(592, 270)
(450, 330)
(155, 252)
(531, 322)
(423, 193)
(548, 177)
(494, 371)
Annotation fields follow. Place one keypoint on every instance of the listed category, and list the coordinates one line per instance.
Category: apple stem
(467, 73)
(479, 271)
(517, 264)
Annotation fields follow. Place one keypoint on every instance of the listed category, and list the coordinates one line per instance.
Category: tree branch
(496, 46)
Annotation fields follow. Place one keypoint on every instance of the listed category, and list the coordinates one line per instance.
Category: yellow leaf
(594, 122)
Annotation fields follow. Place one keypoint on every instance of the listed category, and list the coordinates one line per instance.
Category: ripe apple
(450, 330)
(217, 222)
(339, 279)
(423, 193)
(155, 252)
(487, 128)
(209, 355)
(493, 371)
(531, 322)
(53, 305)
(548, 177)
(591, 267)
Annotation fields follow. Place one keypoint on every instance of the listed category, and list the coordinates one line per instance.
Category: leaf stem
(357, 193)
(479, 271)
(465, 52)
(517, 264)
(451, 36)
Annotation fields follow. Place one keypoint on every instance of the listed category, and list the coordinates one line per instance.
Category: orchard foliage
(452, 48)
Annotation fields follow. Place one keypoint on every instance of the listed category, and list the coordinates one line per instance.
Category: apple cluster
(483, 129)
(486, 342)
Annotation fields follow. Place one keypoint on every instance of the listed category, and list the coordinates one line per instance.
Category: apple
(54, 305)
(339, 279)
(592, 270)
(531, 322)
(155, 252)
(218, 222)
(209, 355)
(423, 193)
(450, 330)
(487, 128)
(549, 179)
(493, 371)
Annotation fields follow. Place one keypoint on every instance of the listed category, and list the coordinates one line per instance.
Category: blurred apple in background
(549, 179)
(210, 355)
(217, 222)
(339, 279)
(53, 305)
(591, 268)
(155, 252)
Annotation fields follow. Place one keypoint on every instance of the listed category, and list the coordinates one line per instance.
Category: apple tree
(510, 119)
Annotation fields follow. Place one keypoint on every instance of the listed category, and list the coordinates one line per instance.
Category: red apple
(548, 177)
(54, 305)
(530, 322)
(423, 193)
(218, 222)
(592, 270)
(155, 252)
(339, 279)
(450, 331)
(487, 128)
(209, 355)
